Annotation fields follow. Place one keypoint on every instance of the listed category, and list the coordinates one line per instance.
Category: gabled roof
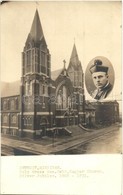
(10, 89)
(56, 73)
(36, 32)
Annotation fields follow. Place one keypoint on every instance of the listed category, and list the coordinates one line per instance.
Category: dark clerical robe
(100, 94)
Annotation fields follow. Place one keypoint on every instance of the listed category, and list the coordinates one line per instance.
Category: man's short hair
(98, 67)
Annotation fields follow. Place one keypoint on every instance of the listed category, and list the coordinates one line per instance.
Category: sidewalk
(58, 144)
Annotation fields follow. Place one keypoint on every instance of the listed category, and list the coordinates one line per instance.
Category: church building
(45, 100)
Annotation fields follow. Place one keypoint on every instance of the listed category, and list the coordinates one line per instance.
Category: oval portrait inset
(99, 78)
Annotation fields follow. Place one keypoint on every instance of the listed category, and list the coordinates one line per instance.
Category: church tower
(75, 70)
(35, 82)
(76, 75)
(36, 57)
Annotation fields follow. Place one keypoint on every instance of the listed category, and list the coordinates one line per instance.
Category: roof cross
(36, 2)
(64, 64)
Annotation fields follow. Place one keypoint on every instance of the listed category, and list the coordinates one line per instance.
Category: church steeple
(74, 59)
(75, 69)
(36, 85)
(36, 34)
(36, 56)
(36, 59)
(36, 31)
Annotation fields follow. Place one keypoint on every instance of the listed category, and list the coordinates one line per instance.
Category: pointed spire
(74, 59)
(36, 31)
(74, 52)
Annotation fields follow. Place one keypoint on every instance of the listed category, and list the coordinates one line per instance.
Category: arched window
(59, 101)
(43, 62)
(29, 120)
(28, 88)
(28, 61)
(37, 60)
(80, 99)
(13, 119)
(12, 104)
(5, 105)
(5, 118)
(69, 102)
(40, 89)
(43, 58)
(116, 108)
(64, 97)
(25, 121)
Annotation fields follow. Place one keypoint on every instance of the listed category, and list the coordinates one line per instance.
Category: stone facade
(46, 100)
(10, 107)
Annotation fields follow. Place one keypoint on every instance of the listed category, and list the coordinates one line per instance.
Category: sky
(95, 27)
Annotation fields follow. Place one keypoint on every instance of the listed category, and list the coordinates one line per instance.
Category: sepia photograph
(56, 96)
(99, 78)
(61, 97)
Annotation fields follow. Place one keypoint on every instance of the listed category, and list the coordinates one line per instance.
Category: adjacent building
(107, 112)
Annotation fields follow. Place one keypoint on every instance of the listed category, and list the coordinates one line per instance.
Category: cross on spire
(64, 64)
(36, 2)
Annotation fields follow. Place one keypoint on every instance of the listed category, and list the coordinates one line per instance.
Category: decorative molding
(61, 117)
(44, 113)
(29, 130)
(5, 126)
(28, 113)
(13, 128)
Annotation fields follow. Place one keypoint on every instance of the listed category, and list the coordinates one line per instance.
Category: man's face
(100, 79)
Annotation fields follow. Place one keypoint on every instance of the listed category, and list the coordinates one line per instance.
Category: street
(105, 140)
(108, 143)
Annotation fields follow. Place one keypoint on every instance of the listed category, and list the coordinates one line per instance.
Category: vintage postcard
(61, 97)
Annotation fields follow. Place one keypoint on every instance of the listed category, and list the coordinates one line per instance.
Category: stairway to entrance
(76, 130)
